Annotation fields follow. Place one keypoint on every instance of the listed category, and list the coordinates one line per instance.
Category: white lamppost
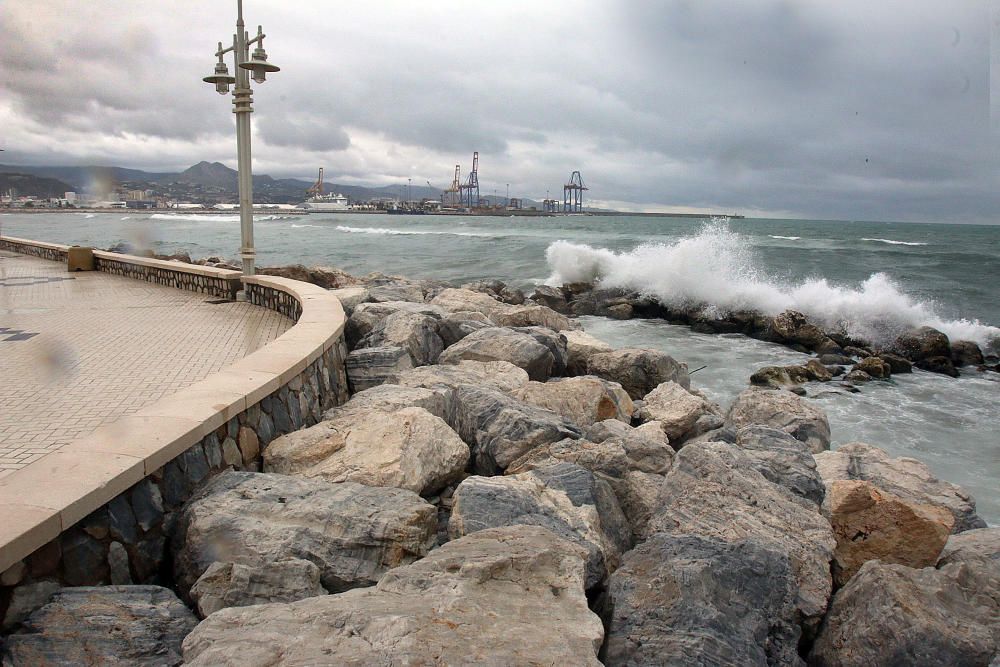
(241, 107)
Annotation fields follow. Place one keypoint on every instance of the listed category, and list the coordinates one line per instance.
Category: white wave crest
(402, 232)
(787, 238)
(195, 217)
(717, 271)
(892, 242)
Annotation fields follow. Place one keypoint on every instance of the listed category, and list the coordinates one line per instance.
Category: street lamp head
(221, 78)
(259, 65)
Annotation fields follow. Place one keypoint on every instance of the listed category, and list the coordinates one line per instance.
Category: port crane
(469, 191)
(573, 194)
(316, 189)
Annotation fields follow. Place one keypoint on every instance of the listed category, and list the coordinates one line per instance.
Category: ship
(321, 202)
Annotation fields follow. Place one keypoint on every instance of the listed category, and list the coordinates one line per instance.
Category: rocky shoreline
(504, 489)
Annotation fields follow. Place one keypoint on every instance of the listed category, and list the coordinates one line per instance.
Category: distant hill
(81, 177)
(32, 186)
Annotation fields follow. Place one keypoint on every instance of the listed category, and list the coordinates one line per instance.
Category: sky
(833, 110)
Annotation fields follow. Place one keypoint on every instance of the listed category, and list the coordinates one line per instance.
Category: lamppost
(241, 107)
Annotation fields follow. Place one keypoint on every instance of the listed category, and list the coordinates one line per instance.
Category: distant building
(70, 197)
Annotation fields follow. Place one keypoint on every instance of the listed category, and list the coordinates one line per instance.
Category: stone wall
(49, 251)
(127, 539)
(223, 286)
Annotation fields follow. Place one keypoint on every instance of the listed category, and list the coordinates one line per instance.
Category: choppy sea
(873, 278)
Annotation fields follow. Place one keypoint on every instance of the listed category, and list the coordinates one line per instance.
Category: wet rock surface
(638, 371)
(583, 400)
(501, 344)
(784, 411)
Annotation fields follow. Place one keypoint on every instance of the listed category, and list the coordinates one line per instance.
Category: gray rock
(392, 397)
(580, 346)
(685, 600)
(367, 316)
(84, 559)
(638, 371)
(979, 545)
(584, 400)
(783, 460)
(415, 332)
(564, 498)
(353, 533)
(555, 341)
(966, 353)
(456, 326)
(25, 599)
(781, 410)
(121, 521)
(551, 297)
(236, 585)
(371, 366)
(499, 375)
(499, 428)
(676, 409)
(713, 490)
(350, 298)
(105, 625)
(895, 615)
(398, 291)
(907, 478)
(118, 564)
(501, 344)
(508, 596)
(922, 343)
(408, 449)
(532, 315)
(646, 446)
(194, 465)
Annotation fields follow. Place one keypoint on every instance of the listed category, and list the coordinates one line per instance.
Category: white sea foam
(402, 232)
(205, 217)
(717, 270)
(788, 238)
(892, 242)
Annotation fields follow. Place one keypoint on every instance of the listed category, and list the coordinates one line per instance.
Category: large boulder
(781, 410)
(676, 409)
(397, 291)
(532, 316)
(499, 428)
(352, 533)
(792, 327)
(103, 625)
(904, 477)
(922, 343)
(583, 400)
(638, 371)
(646, 446)
(891, 614)
(455, 300)
(564, 498)
(780, 377)
(497, 597)
(500, 344)
(409, 449)
(367, 316)
(555, 341)
(685, 600)
(783, 460)
(714, 490)
(455, 326)
(371, 366)
(871, 524)
(580, 346)
(501, 376)
(966, 353)
(552, 297)
(415, 332)
(979, 545)
(392, 397)
(238, 585)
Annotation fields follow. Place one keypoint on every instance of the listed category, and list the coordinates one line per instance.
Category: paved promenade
(80, 350)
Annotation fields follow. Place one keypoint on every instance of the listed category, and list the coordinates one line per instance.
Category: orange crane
(316, 188)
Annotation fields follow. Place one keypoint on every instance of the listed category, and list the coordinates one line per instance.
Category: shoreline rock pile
(502, 488)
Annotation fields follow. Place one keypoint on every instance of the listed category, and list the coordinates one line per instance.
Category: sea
(874, 279)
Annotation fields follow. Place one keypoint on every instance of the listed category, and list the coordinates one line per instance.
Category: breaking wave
(787, 238)
(892, 242)
(196, 217)
(718, 271)
(402, 232)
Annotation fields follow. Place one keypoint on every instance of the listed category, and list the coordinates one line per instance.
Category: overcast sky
(854, 109)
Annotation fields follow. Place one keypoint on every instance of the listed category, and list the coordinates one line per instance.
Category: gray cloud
(828, 110)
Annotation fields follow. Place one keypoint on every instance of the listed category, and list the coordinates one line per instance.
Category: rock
(551, 297)
(532, 316)
(646, 446)
(835, 360)
(966, 353)
(371, 366)
(456, 326)
(25, 599)
(858, 376)
(676, 409)
(619, 311)
(501, 376)
(638, 371)
(103, 625)
(870, 524)
(499, 344)
(237, 585)
(685, 599)
(875, 367)
(791, 327)
(564, 498)
(498, 290)
(14, 574)
(942, 365)
(367, 316)
(499, 428)
(906, 478)
(389, 398)
(414, 332)
(323, 276)
(897, 364)
(555, 341)
(398, 291)
(455, 300)
(890, 614)
(580, 346)
(784, 411)
(351, 297)
(352, 533)
(583, 400)
(118, 564)
(713, 490)
(922, 343)
(783, 460)
(980, 544)
(408, 449)
(442, 610)
(779, 377)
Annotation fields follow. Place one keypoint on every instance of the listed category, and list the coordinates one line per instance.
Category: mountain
(213, 174)
(32, 186)
(81, 178)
